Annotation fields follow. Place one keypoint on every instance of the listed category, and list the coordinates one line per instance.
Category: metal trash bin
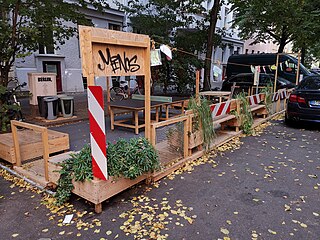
(51, 105)
(41, 106)
(67, 106)
(59, 102)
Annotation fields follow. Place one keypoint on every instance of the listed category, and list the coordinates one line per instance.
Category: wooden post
(197, 83)
(185, 138)
(45, 142)
(147, 103)
(298, 69)
(278, 105)
(108, 94)
(85, 36)
(153, 136)
(16, 143)
(276, 75)
(98, 208)
(238, 113)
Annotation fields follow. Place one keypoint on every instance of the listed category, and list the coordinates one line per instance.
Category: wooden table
(135, 106)
(217, 94)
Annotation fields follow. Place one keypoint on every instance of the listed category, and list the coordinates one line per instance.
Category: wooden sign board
(113, 53)
(113, 60)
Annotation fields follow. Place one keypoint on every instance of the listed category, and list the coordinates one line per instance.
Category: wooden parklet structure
(112, 53)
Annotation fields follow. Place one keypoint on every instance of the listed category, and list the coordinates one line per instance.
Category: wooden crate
(31, 145)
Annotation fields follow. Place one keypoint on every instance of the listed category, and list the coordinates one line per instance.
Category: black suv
(244, 81)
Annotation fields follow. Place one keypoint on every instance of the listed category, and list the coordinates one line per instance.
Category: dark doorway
(54, 67)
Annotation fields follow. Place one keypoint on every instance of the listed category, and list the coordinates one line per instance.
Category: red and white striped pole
(97, 132)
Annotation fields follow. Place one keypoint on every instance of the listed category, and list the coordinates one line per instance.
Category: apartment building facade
(65, 60)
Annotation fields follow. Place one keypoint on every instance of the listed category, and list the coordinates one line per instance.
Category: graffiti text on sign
(118, 63)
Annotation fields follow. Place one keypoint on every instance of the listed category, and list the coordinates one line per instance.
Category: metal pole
(276, 75)
(298, 68)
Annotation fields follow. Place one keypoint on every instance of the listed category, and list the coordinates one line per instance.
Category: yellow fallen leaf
(108, 232)
(15, 235)
(62, 232)
(303, 225)
(315, 214)
(224, 231)
(254, 235)
(97, 231)
(272, 232)
(45, 230)
(78, 234)
(287, 208)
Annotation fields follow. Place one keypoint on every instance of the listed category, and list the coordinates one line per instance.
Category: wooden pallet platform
(31, 145)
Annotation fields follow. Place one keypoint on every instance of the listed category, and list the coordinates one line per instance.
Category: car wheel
(288, 121)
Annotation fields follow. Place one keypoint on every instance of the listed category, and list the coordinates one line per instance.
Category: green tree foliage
(281, 22)
(181, 24)
(25, 24)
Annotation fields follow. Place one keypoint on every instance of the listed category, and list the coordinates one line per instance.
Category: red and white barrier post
(97, 132)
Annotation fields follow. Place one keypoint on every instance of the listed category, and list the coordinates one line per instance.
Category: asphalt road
(266, 189)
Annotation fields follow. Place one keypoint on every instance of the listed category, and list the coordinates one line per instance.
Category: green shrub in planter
(129, 159)
(132, 158)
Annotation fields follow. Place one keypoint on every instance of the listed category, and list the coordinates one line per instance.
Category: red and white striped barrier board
(275, 97)
(283, 94)
(220, 109)
(97, 132)
(254, 99)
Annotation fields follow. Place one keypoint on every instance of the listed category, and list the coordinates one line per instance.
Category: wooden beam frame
(134, 48)
(45, 141)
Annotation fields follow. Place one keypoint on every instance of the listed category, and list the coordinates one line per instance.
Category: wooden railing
(45, 142)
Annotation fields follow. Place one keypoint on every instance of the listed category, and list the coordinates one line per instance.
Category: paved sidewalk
(266, 189)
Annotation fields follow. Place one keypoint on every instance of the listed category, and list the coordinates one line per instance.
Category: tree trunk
(4, 75)
(213, 21)
(281, 46)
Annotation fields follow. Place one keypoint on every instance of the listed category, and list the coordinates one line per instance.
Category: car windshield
(310, 83)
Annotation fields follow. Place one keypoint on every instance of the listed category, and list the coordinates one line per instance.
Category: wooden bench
(255, 105)
(221, 114)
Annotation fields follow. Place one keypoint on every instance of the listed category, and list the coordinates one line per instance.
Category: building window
(247, 50)
(225, 21)
(252, 51)
(116, 27)
(48, 47)
(231, 51)
(258, 52)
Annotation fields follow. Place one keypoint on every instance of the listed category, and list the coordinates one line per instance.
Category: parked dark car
(244, 81)
(287, 68)
(304, 101)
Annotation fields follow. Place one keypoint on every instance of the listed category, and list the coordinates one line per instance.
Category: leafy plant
(132, 158)
(245, 115)
(129, 159)
(201, 108)
(267, 90)
(7, 111)
(79, 168)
